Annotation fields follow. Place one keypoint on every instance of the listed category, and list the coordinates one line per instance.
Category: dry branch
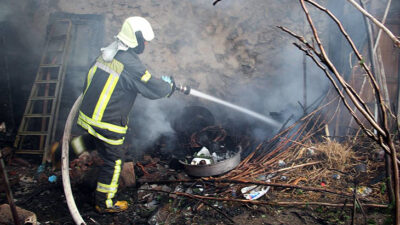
(215, 2)
(383, 23)
(325, 59)
(243, 181)
(379, 24)
(383, 132)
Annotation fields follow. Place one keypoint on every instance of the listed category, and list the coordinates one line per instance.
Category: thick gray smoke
(227, 52)
(232, 51)
(5, 12)
(19, 43)
(149, 120)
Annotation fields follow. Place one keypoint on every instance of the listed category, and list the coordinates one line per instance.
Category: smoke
(150, 120)
(5, 12)
(232, 51)
(279, 95)
(20, 56)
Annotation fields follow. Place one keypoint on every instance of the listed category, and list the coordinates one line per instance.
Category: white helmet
(132, 25)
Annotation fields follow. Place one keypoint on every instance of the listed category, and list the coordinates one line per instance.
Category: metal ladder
(37, 128)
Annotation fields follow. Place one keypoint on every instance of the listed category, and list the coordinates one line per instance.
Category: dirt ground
(35, 193)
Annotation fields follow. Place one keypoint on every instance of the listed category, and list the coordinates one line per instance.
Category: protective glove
(170, 81)
(167, 79)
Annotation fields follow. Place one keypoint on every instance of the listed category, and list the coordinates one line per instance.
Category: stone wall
(208, 47)
(233, 51)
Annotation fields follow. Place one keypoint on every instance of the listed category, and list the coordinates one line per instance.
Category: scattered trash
(142, 194)
(151, 205)
(179, 188)
(270, 176)
(283, 178)
(234, 192)
(310, 151)
(52, 178)
(198, 190)
(261, 177)
(3, 127)
(336, 176)
(254, 192)
(189, 191)
(362, 190)
(281, 163)
(361, 168)
(41, 169)
(203, 157)
(26, 179)
(218, 205)
(323, 184)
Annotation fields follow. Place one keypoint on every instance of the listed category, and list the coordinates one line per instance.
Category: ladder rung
(50, 65)
(36, 115)
(43, 98)
(46, 81)
(29, 151)
(33, 133)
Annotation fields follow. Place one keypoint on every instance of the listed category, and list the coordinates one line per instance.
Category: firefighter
(113, 82)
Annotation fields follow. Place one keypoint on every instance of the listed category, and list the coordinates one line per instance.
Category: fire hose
(65, 164)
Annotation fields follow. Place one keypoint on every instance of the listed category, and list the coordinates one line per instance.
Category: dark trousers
(107, 181)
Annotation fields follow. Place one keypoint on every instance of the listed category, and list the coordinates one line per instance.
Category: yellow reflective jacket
(110, 91)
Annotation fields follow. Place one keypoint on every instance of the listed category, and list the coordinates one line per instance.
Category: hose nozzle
(184, 89)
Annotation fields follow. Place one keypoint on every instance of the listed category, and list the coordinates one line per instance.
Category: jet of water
(236, 107)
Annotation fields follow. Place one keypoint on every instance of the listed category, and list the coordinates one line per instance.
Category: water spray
(190, 91)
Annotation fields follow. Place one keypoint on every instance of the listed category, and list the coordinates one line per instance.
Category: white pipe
(65, 163)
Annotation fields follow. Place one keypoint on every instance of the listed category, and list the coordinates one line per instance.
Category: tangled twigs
(383, 137)
(192, 197)
(242, 181)
(258, 202)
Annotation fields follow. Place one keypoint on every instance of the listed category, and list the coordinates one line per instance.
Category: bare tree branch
(215, 2)
(383, 23)
(360, 58)
(385, 140)
(379, 24)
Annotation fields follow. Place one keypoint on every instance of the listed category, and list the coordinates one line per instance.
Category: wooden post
(8, 191)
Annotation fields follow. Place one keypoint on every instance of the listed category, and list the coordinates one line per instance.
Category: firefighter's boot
(119, 206)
